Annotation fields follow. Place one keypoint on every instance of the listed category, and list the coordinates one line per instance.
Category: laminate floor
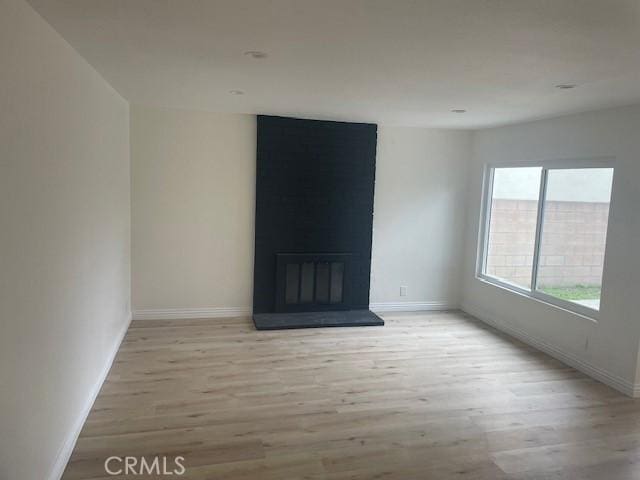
(428, 396)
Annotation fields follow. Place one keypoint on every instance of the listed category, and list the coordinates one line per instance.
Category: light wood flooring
(428, 396)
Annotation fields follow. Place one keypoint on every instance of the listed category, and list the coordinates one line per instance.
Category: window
(544, 232)
(512, 231)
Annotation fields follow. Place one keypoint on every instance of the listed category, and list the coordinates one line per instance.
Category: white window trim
(485, 220)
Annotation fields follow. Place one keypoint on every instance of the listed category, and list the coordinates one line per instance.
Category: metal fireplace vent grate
(312, 282)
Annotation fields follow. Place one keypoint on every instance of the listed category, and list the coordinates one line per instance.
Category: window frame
(485, 222)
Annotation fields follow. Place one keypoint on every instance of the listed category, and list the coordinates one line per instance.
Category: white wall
(193, 202)
(419, 214)
(608, 348)
(64, 240)
(193, 177)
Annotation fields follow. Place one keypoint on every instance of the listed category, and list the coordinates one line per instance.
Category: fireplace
(313, 227)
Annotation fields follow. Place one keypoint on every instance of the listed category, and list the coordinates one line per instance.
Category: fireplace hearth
(346, 318)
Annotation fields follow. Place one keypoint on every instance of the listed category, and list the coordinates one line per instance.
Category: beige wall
(607, 348)
(64, 240)
(193, 202)
(419, 215)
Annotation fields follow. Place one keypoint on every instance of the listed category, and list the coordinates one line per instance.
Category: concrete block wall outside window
(583, 225)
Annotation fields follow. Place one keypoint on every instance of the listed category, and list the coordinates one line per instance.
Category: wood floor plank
(427, 396)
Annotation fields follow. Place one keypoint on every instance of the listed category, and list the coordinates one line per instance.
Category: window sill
(581, 311)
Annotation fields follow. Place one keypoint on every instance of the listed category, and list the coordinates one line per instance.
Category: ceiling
(394, 62)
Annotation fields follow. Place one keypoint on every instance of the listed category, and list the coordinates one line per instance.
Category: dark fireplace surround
(313, 227)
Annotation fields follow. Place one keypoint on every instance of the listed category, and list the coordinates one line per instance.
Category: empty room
(320, 239)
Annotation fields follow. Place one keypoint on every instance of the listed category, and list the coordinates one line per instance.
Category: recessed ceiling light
(458, 110)
(236, 92)
(256, 54)
(566, 86)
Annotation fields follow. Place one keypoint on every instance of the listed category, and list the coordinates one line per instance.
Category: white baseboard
(69, 444)
(411, 306)
(614, 381)
(217, 312)
(184, 313)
